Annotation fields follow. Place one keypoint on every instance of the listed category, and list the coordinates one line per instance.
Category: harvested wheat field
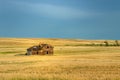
(72, 60)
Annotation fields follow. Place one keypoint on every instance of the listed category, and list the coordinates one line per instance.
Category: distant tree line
(106, 43)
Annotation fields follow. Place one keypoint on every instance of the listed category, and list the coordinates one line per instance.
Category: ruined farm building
(41, 49)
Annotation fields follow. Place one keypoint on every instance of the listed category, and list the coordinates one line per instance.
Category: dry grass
(68, 62)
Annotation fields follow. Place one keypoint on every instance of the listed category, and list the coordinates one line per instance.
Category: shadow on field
(20, 54)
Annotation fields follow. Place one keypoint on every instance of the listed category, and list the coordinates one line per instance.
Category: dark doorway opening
(47, 52)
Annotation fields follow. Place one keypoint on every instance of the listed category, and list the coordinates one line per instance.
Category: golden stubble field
(71, 62)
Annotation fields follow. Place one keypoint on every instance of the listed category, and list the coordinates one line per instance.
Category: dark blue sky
(83, 19)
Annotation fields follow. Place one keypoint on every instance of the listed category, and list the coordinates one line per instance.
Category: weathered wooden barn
(41, 49)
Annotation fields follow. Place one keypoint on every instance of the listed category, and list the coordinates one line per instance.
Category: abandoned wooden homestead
(41, 49)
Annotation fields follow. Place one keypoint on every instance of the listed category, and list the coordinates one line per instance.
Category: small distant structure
(41, 49)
